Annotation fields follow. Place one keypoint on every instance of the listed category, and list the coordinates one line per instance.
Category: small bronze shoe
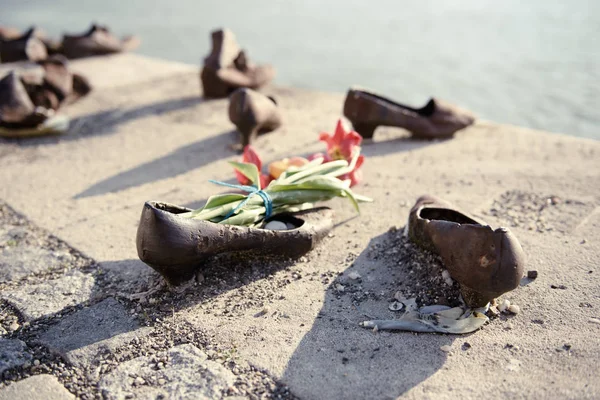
(97, 41)
(17, 110)
(253, 113)
(55, 85)
(175, 246)
(436, 120)
(485, 262)
(27, 47)
(227, 68)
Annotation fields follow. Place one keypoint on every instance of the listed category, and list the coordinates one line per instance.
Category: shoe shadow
(336, 358)
(180, 161)
(380, 148)
(105, 122)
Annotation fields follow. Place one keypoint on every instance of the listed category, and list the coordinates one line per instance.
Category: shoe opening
(286, 219)
(444, 214)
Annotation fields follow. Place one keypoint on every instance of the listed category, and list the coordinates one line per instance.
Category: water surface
(534, 63)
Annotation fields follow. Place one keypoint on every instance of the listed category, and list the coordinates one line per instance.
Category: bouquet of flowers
(292, 184)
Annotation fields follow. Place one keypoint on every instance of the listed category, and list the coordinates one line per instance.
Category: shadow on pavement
(105, 122)
(178, 162)
(338, 359)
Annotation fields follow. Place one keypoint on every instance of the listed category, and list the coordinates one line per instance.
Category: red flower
(252, 157)
(342, 146)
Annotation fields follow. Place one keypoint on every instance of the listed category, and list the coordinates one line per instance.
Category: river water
(532, 63)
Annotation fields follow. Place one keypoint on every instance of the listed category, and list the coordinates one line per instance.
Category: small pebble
(504, 306)
(466, 346)
(161, 381)
(446, 348)
(276, 226)
(339, 288)
(36, 362)
(563, 287)
(532, 274)
(594, 320)
(354, 275)
(139, 381)
(13, 327)
(515, 309)
(447, 278)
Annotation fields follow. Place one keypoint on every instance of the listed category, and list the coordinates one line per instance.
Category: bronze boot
(485, 262)
(227, 68)
(176, 246)
(253, 113)
(436, 120)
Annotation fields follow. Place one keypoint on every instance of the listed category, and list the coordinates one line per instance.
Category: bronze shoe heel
(176, 246)
(365, 130)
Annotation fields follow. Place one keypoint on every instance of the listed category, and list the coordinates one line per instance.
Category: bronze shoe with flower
(485, 262)
(175, 246)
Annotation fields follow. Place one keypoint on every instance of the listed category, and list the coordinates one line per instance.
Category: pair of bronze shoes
(30, 98)
(435, 120)
(485, 262)
(228, 68)
(33, 45)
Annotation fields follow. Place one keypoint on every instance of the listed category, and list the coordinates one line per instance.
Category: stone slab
(186, 374)
(43, 299)
(13, 353)
(82, 336)
(37, 387)
(21, 261)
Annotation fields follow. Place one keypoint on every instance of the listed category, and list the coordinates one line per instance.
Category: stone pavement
(80, 314)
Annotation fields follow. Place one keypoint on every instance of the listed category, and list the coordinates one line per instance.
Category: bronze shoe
(97, 41)
(55, 85)
(227, 68)
(253, 113)
(27, 47)
(17, 110)
(436, 120)
(485, 262)
(176, 247)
